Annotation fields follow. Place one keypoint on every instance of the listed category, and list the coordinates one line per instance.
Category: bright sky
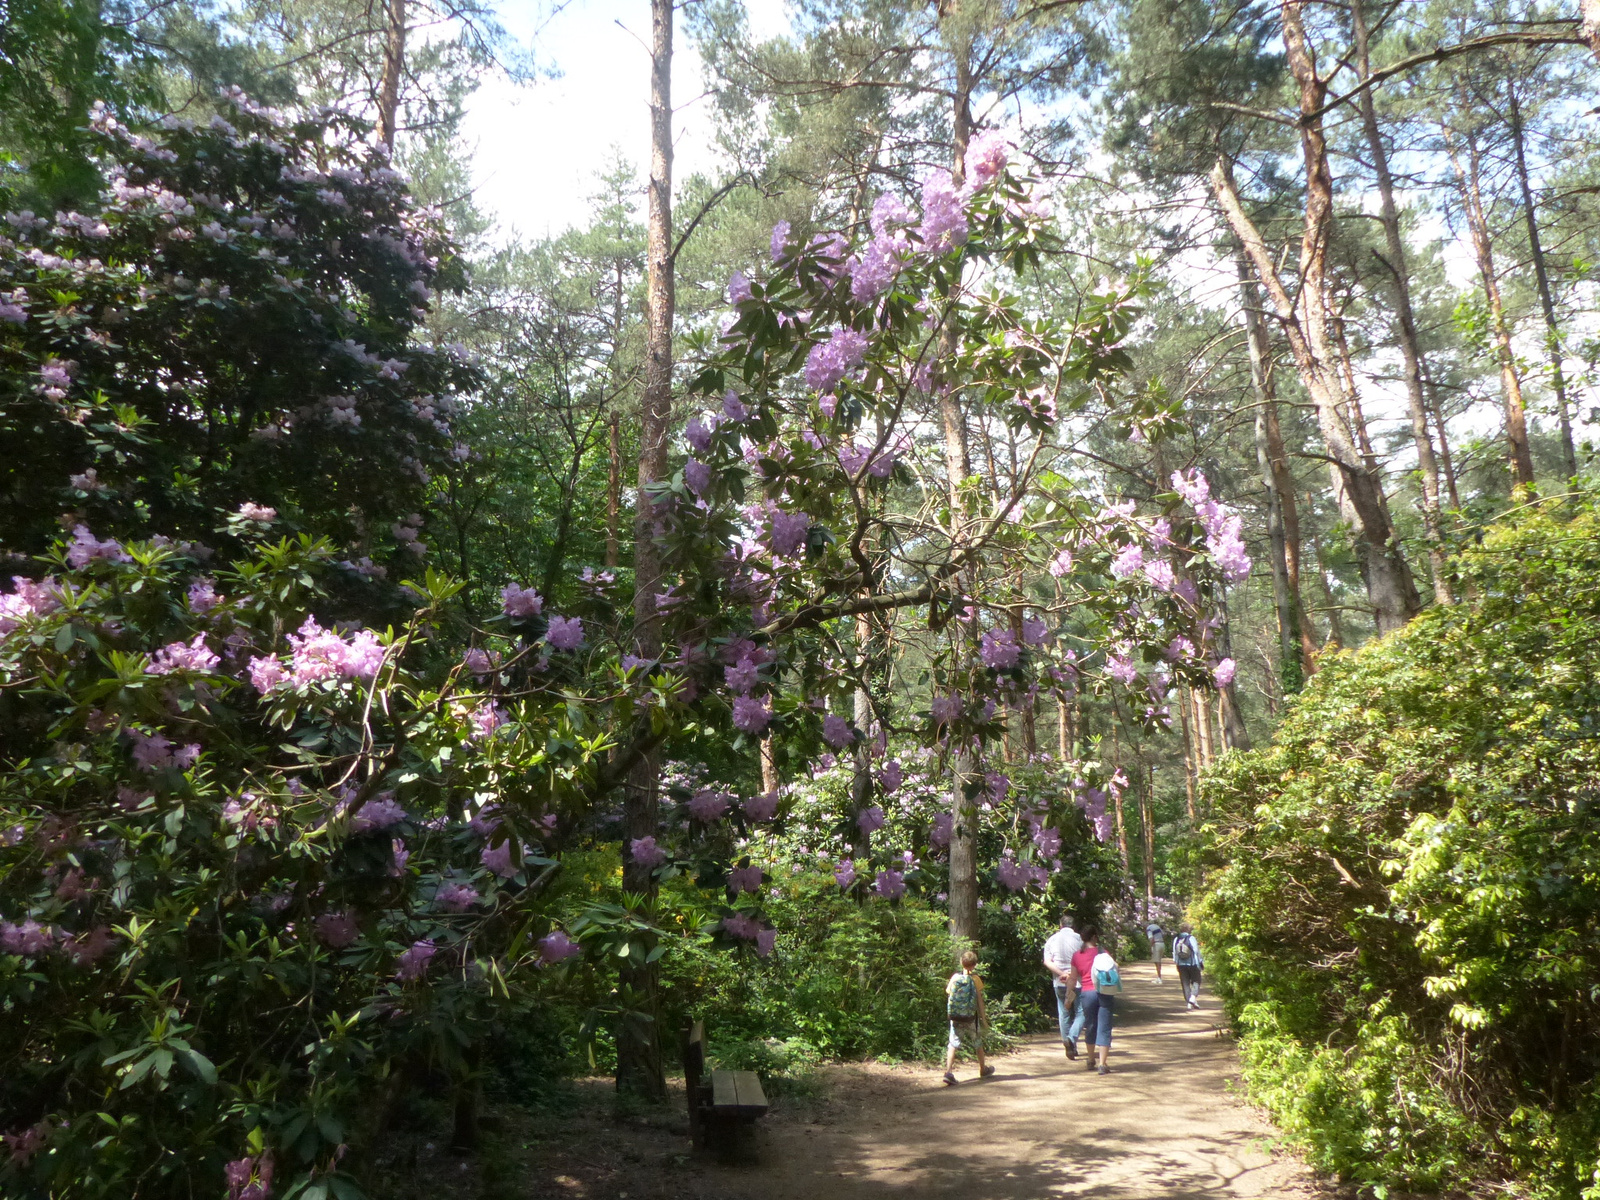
(537, 147)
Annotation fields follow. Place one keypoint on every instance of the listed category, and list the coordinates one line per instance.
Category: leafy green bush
(1402, 898)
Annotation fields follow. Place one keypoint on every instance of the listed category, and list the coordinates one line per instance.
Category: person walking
(964, 1006)
(1058, 951)
(1083, 977)
(1158, 937)
(1100, 1007)
(1186, 956)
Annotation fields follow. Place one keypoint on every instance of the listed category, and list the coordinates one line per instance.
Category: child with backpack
(1186, 955)
(1099, 1008)
(964, 1007)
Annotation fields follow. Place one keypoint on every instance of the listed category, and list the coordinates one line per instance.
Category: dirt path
(1162, 1126)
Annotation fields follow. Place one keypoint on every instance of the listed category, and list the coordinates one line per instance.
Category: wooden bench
(724, 1106)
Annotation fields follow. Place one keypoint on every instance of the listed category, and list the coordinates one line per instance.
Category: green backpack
(963, 993)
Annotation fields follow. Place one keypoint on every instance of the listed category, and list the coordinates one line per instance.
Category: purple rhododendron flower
(520, 602)
(999, 649)
(766, 939)
(1061, 564)
(565, 633)
(890, 884)
(456, 897)
(1128, 562)
(845, 873)
(836, 731)
(738, 288)
(751, 714)
(336, 929)
(734, 409)
(788, 532)
(557, 947)
(944, 216)
(178, 656)
(875, 270)
(698, 434)
(28, 939)
(742, 676)
(891, 777)
(261, 513)
(1011, 873)
(1160, 574)
(29, 600)
(203, 596)
(483, 720)
(986, 157)
(939, 834)
(828, 361)
(1048, 840)
(707, 805)
(745, 879)
(889, 210)
(761, 808)
(698, 476)
(318, 653)
(945, 709)
(86, 548)
(480, 662)
(249, 1178)
(646, 853)
(780, 239)
(998, 785)
(413, 964)
(266, 674)
(1121, 669)
(380, 812)
(870, 820)
(1034, 631)
(498, 859)
(1223, 672)
(401, 856)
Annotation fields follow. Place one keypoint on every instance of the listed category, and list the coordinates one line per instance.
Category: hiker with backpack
(964, 1007)
(1099, 1008)
(1058, 952)
(1186, 955)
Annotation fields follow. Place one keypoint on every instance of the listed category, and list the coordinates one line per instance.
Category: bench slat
(724, 1090)
(751, 1094)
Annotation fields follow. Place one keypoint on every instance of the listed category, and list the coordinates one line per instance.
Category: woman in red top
(1083, 976)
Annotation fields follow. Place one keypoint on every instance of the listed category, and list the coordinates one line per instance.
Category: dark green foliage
(1403, 902)
(234, 323)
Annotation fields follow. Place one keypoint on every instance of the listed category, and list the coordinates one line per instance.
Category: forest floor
(1166, 1124)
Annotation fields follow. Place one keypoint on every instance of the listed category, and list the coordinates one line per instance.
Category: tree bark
(1405, 318)
(613, 490)
(394, 65)
(1147, 826)
(1390, 588)
(1541, 276)
(963, 855)
(1589, 13)
(861, 780)
(1467, 175)
(1230, 721)
(1293, 656)
(639, 1069)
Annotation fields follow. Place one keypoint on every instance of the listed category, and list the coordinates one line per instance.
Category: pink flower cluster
(836, 731)
(317, 654)
(456, 897)
(998, 648)
(1224, 529)
(1015, 876)
(178, 656)
(29, 600)
(891, 777)
(890, 884)
(944, 214)
(498, 859)
(564, 633)
(870, 820)
(761, 808)
(85, 548)
(830, 360)
(788, 532)
(751, 714)
(646, 853)
(520, 602)
(751, 930)
(155, 752)
(556, 947)
(745, 879)
(413, 964)
(845, 873)
(249, 1178)
(707, 805)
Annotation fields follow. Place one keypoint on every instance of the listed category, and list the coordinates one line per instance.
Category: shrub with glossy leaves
(1402, 906)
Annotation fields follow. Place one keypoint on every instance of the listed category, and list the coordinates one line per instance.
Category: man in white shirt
(1058, 952)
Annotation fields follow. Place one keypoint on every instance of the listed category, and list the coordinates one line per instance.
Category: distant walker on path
(1058, 952)
(964, 1006)
(1186, 955)
(1157, 936)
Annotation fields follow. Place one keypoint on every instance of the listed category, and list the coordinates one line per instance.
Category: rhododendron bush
(252, 862)
(233, 322)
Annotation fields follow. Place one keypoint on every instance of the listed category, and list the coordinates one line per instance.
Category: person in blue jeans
(1082, 960)
(1058, 952)
(1100, 1007)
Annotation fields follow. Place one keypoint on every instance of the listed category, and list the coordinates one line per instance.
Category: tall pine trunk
(1541, 277)
(639, 1069)
(394, 65)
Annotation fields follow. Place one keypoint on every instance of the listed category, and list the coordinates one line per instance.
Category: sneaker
(949, 1079)
(1105, 1070)
(986, 1072)
(1071, 1048)
(1089, 1065)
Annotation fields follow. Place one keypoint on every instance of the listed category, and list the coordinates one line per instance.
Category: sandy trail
(1162, 1125)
